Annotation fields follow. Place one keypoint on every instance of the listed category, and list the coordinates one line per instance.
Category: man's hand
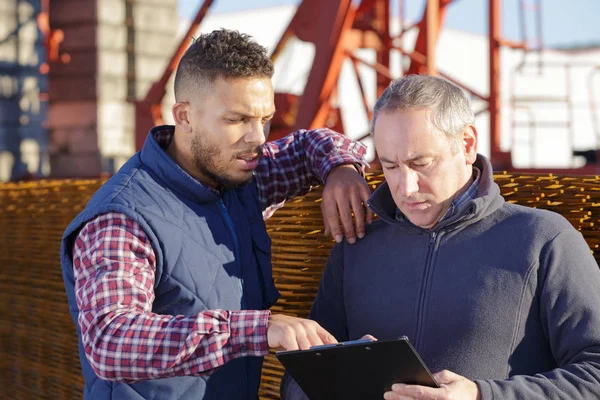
(345, 193)
(453, 387)
(291, 333)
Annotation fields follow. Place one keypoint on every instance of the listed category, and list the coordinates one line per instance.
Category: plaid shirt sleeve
(292, 165)
(114, 266)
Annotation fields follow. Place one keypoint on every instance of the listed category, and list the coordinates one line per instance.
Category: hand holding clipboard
(324, 372)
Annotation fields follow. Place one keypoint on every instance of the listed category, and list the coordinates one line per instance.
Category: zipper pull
(432, 238)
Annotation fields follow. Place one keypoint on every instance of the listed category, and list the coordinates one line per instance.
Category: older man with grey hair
(506, 297)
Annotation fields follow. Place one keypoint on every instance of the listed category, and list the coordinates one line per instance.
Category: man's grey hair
(450, 109)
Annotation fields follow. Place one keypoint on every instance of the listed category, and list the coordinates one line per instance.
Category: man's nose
(409, 183)
(255, 134)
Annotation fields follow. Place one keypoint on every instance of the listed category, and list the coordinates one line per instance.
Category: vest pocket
(261, 247)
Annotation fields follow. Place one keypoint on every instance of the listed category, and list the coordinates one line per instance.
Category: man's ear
(469, 144)
(181, 116)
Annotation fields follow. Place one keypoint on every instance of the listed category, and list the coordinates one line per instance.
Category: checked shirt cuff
(248, 330)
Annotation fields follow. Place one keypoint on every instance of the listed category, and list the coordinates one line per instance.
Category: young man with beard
(167, 270)
(506, 297)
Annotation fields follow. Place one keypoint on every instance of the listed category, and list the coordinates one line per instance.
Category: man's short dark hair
(224, 54)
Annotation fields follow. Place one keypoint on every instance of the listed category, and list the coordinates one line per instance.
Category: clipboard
(360, 369)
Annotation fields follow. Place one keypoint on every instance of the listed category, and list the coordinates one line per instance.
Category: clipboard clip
(346, 343)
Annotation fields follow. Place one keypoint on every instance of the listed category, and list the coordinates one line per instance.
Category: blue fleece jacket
(505, 295)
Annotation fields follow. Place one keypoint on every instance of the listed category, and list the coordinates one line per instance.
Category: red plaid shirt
(114, 267)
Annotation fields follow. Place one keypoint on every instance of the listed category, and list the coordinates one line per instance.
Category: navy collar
(169, 173)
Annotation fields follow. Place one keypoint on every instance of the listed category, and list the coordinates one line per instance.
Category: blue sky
(564, 22)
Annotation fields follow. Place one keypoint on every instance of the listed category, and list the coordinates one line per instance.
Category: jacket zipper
(229, 224)
(426, 274)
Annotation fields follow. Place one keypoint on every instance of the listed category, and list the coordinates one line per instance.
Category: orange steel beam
(494, 74)
(513, 45)
(289, 32)
(366, 7)
(382, 21)
(337, 28)
(381, 70)
(335, 17)
(148, 111)
(471, 91)
(406, 29)
(361, 88)
(420, 58)
(403, 29)
(500, 160)
(414, 56)
(302, 26)
(432, 34)
(426, 43)
(52, 38)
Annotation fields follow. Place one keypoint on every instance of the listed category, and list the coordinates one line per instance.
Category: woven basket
(38, 345)
(38, 356)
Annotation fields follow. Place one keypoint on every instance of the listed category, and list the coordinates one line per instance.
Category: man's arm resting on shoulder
(295, 163)
(114, 266)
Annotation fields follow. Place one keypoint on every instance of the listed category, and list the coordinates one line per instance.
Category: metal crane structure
(338, 28)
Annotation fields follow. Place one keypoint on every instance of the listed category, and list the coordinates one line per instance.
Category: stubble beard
(206, 155)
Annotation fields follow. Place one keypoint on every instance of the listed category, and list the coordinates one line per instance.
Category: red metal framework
(338, 28)
(52, 40)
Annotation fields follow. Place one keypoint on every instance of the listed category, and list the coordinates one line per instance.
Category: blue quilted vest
(211, 253)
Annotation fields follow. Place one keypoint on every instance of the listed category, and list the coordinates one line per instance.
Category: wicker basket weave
(38, 356)
(38, 345)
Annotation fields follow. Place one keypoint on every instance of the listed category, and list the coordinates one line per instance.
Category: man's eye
(389, 167)
(421, 165)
